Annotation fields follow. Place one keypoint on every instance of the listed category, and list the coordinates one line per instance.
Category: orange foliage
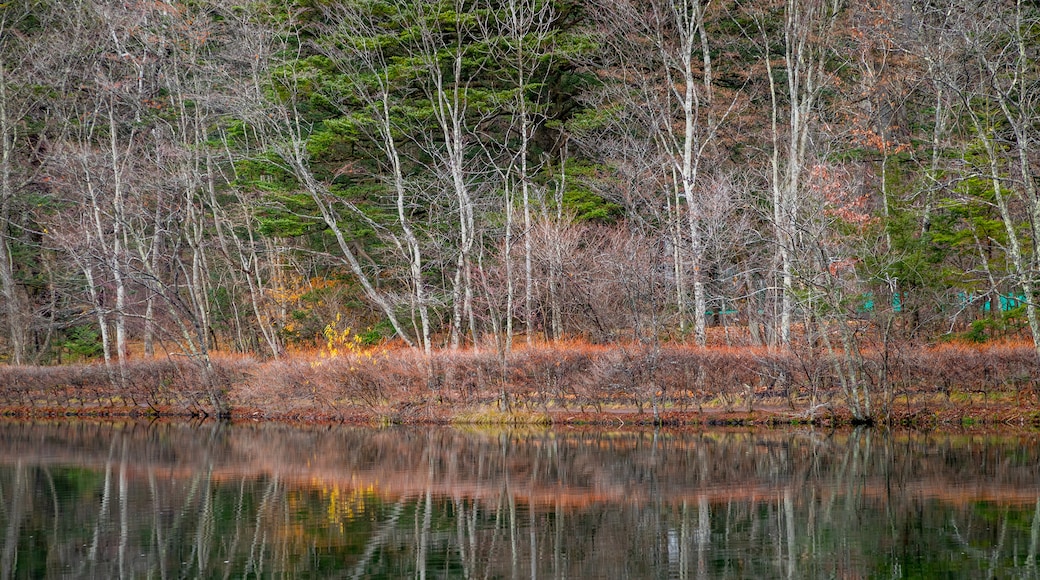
(841, 201)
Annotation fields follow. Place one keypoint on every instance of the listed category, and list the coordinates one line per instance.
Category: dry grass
(529, 385)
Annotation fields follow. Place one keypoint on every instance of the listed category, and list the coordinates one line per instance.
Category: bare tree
(442, 51)
(526, 26)
(89, 168)
(807, 26)
(15, 55)
(674, 88)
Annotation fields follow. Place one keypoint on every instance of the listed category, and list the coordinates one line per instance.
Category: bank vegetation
(569, 383)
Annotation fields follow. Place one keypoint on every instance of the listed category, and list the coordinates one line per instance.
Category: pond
(169, 500)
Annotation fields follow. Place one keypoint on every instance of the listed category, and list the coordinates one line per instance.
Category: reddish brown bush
(404, 385)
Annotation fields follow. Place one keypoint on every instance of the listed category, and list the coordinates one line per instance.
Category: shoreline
(922, 415)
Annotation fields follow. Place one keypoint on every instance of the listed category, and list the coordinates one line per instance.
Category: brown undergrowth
(551, 383)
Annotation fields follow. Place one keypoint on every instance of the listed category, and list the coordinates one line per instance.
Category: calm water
(184, 501)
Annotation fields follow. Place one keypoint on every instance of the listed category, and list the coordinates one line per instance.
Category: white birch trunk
(449, 109)
(688, 171)
(116, 250)
(412, 246)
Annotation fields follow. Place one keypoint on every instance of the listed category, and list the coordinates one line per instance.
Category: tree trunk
(116, 250)
(13, 303)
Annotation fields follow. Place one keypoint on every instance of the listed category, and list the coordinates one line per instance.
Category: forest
(272, 179)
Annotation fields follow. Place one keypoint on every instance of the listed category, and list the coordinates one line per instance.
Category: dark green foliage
(581, 201)
(82, 342)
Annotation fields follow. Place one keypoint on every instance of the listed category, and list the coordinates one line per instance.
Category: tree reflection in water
(172, 500)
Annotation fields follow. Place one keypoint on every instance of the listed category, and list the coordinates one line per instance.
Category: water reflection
(172, 500)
